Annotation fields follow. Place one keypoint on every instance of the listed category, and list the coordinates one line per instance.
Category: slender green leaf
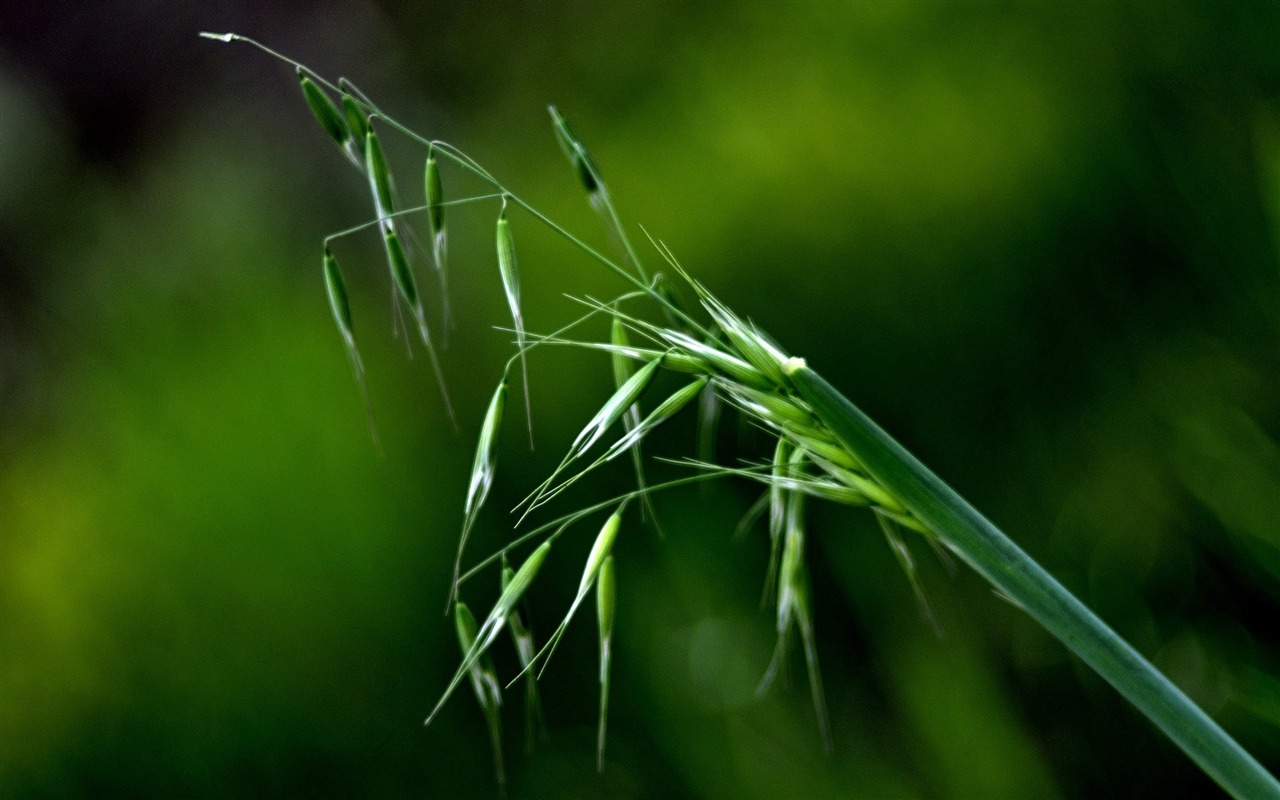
(1011, 571)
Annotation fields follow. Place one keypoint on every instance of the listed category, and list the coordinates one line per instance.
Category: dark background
(1037, 242)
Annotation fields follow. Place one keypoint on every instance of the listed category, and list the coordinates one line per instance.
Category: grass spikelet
(325, 111)
(595, 559)
(488, 691)
(622, 399)
(379, 178)
(708, 423)
(357, 125)
(866, 487)
(792, 568)
(661, 413)
(434, 193)
(788, 570)
(576, 153)
(407, 285)
(511, 286)
(753, 345)
(621, 364)
(341, 307)
(673, 360)
(819, 487)
(482, 472)
(903, 553)
(401, 272)
(718, 360)
(780, 469)
(522, 637)
(664, 411)
(622, 371)
(775, 409)
(613, 409)
(494, 623)
(795, 611)
(597, 193)
(606, 605)
(804, 621)
(336, 289)
(821, 446)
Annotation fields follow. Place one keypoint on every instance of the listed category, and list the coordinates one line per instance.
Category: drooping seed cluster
(733, 364)
(808, 462)
(352, 130)
(484, 682)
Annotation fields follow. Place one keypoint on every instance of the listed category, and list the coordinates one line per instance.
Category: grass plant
(826, 450)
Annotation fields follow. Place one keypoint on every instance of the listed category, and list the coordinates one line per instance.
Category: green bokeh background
(1037, 242)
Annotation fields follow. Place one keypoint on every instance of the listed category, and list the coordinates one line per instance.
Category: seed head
(599, 551)
(379, 177)
(595, 559)
(613, 409)
(434, 193)
(337, 292)
(620, 341)
(401, 273)
(325, 111)
(605, 606)
(665, 410)
(511, 286)
(494, 623)
(754, 346)
(575, 152)
(718, 360)
(484, 682)
(482, 472)
(606, 598)
(358, 124)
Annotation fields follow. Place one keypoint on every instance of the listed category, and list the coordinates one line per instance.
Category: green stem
(980, 544)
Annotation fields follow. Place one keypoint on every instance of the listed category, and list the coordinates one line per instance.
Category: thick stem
(980, 544)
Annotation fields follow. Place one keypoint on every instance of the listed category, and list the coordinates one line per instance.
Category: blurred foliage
(1037, 242)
